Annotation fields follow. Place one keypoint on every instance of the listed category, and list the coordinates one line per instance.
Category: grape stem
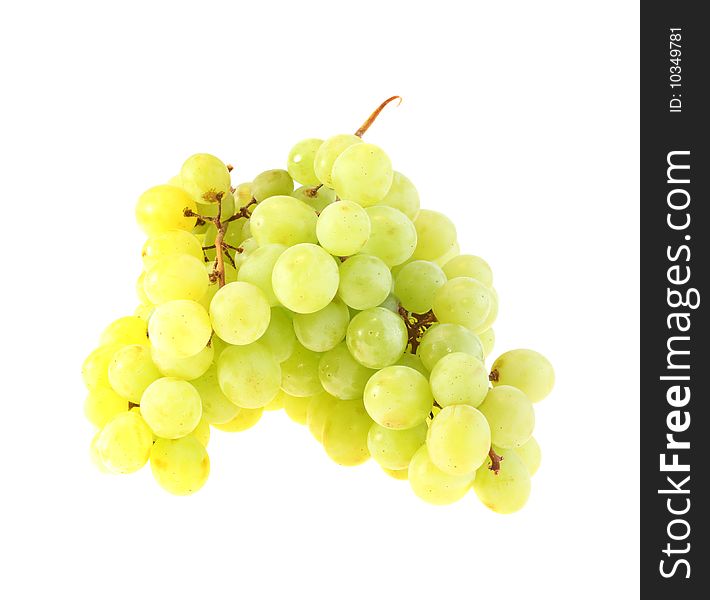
(495, 461)
(494, 376)
(312, 192)
(416, 325)
(371, 119)
(243, 212)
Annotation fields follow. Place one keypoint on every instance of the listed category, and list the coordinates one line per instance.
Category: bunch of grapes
(341, 302)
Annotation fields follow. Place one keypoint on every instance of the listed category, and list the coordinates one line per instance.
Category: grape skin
(526, 370)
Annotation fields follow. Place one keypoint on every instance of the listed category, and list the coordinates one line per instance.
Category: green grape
(463, 301)
(243, 193)
(362, 173)
(345, 433)
(327, 154)
(343, 228)
(140, 291)
(488, 339)
(283, 220)
(392, 235)
(94, 371)
(299, 372)
(246, 418)
(445, 338)
(510, 415)
(432, 485)
(467, 265)
(124, 331)
(162, 208)
(323, 330)
(279, 337)
(249, 375)
(226, 210)
(275, 182)
(530, 454)
(171, 407)
(527, 370)
(492, 313)
(131, 371)
(203, 176)
(452, 253)
(217, 409)
(398, 397)
(316, 197)
(176, 277)
(341, 375)
(188, 368)
(416, 285)
(365, 281)
(458, 439)
(317, 412)
(305, 278)
(181, 466)
(393, 449)
(459, 378)
(240, 313)
(202, 433)
(300, 161)
(103, 404)
(507, 491)
(399, 474)
(276, 404)
(413, 362)
(436, 235)
(179, 328)
(94, 453)
(296, 407)
(257, 269)
(390, 303)
(124, 443)
(230, 276)
(248, 246)
(403, 196)
(376, 338)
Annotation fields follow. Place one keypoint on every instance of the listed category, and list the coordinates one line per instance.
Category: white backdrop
(519, 120)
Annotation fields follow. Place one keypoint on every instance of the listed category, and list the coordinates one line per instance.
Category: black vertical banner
(675, 267)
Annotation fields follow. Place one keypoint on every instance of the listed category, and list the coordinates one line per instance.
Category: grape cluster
(341, 302)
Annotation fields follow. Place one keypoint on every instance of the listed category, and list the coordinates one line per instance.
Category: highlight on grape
(341, 302)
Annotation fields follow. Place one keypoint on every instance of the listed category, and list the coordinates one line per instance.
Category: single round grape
(171, 407)
(103, 404)
(459, 378)
(275, 182)
(131, 371)
(510, 414)
(319, 407)
(530, 454)
(180, 466)
(341, 375)
(527, 370)
(203, 176)
(324, 329)
(345, 433)
(488, 340)
(249, 375)
(400, 474)
(393, 237)
(124, 443)
(283, 220)
(403, 196)
(202, 433)
(169, 243)
(299, 372)
(398, 397)
(216, 407)
(376, 338)
(434, 486)
(393, 449)
(124, 331)
(507, 491)
(296, 407)
(416, 285)
(463, 301)
(243, 193)
(365, 281)
(259, 266)
(316, 197)
(305, 278)
(459, 439)
(279, 337)
(188, 368)
(436, 235)
(240, 313)
(246, 418)
(362, 173)
(343, 228)
(445, 338)
(300, 161)
(467, 265)
(176, 277)
(414, 362)
(162, 208)
(179, 328)
(327, 154)
(94, 371)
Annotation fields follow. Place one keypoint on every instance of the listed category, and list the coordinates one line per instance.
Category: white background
(519, 120)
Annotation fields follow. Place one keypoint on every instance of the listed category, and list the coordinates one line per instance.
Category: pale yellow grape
(180, 467)
(324, 329)
(327, 154)
(124, 443)
(345, 433)
(453, 252)
(275, 182)
(203, 176)
(492, 313)
(444, 338)
(243, 193)
(414, 362)
(319, 407)
(296, 407)
(376, 337)
(305, 278)
(488, 339)
(459, 378)
(402, 195)
(169, 243)
(219, 345)
(530, 454)
(171, 407)
(162, 208)
(94, 371)
(362, 173)
(124, 331)
(463, 301)
(94, 453)
(343, 228)
(259, 266)
(103, 404)
(132, 370)
(434, 486)
(279, 337)
(283, 220)
(398, 397)
(365, 281)
(187, 368)
(216, 407)
(394, 449)
(246, 419)
(401, 474)
(526, 370)
(393, 237)
(341, 375)
(240, 313)
(436, 235)
(317, 199)
(416, 285)
(180, 328)
(300, 161)
(144, 311)
(276, 404)
(140, 291)
(299, 372)
(458, 439)
(467, 265)
(176, 277)
(510, 414)
(507, 491)
(249, 375)
(202, 433)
